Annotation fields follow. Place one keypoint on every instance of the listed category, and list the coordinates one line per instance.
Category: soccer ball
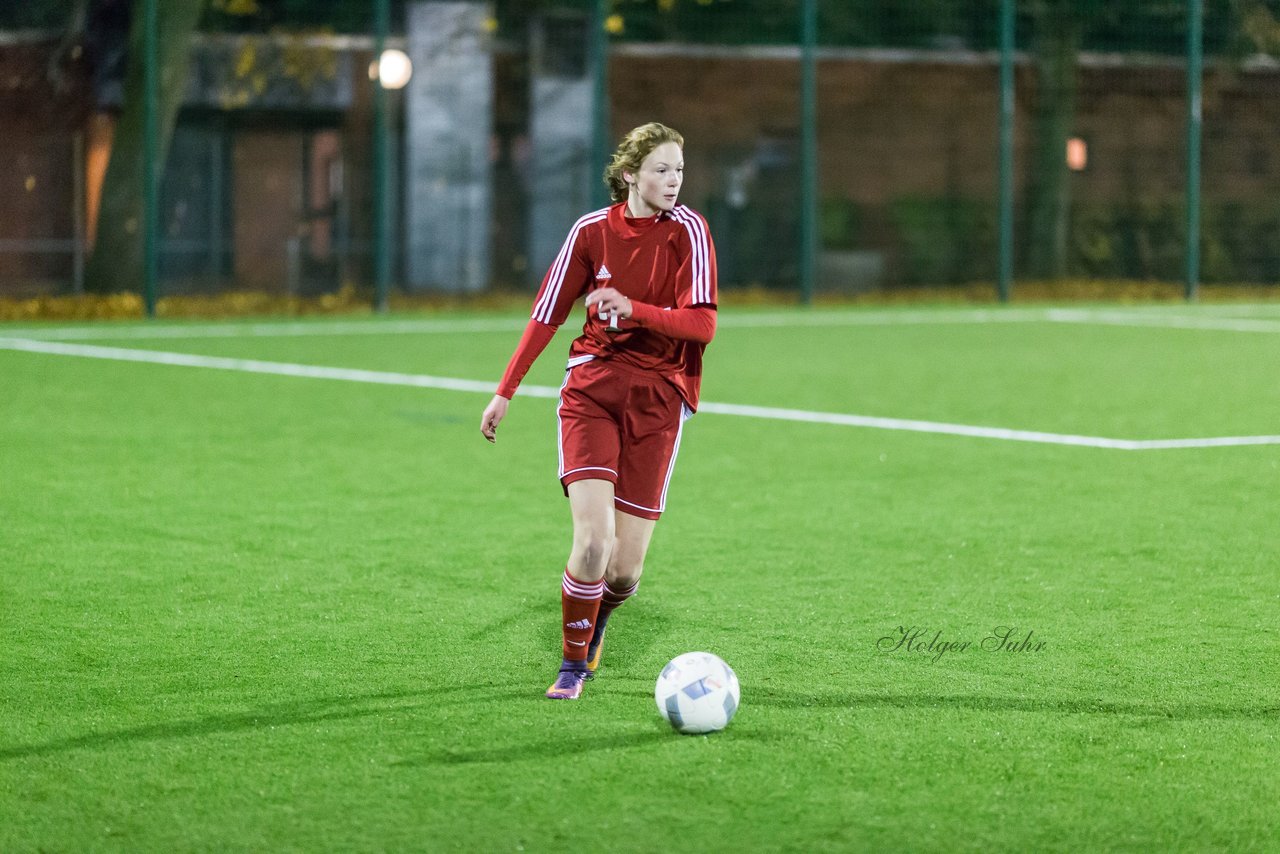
(697, 692)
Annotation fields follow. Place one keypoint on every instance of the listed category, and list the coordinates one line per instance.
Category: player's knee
(624, 569)
(593, 548)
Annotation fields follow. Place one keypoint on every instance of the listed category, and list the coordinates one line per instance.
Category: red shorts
(620, 424)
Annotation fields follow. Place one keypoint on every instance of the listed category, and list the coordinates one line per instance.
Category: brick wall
(890, 129)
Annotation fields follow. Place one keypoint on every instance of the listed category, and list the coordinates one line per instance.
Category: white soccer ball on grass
(697, 693)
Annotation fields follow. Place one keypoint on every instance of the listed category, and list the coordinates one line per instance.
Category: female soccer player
(648, 269)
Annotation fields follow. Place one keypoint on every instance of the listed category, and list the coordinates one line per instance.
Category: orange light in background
(1077, 154)
(99, 134)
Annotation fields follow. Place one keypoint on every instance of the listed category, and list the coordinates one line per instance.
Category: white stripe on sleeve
(694, 225)
(544, 309)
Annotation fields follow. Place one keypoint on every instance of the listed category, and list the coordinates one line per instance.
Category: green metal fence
(835, 146)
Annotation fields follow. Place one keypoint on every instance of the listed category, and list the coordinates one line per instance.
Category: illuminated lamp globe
(393, 70)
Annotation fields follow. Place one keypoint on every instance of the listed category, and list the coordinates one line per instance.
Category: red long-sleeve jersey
(666, 266)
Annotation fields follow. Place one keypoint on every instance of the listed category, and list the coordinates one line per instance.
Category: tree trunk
(117, 260)
(1057, 49)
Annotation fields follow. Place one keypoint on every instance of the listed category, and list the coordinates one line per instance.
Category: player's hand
(493, 415)
(608, 301)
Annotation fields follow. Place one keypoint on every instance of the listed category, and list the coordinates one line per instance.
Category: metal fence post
(150, 146)
(78, 237)
(808, 149)
(381, 165)
(1005, 283)
(1195, 121)
(598, 44)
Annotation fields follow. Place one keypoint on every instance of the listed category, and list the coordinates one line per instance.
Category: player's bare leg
(594, 531)
(631, 543)
(591, 503)
(626, 563)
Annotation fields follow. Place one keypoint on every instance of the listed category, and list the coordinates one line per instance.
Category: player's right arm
(564, 282)
(535, 339)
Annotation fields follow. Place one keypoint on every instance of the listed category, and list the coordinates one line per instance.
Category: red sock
(579, 604)
(612, 598)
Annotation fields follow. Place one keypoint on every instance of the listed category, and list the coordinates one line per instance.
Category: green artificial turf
(251, 612)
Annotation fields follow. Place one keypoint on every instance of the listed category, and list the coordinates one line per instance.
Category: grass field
(256, 611)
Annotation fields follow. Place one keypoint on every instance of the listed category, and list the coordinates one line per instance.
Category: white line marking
(867, 318)
(1157, 316)
(254, 366)
(429, 327)
(981, 432)
(1107, 318)
(917, 426)
(480, 387)
(271, 330)
(1226, 309)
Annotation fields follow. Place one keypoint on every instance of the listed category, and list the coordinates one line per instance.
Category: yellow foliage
(242, 8)
(257, 63)
(350, 300)
(246, 60)
(1262, 29)
(306, 64)
(233, 100)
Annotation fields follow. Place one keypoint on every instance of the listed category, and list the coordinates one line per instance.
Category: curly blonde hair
(632, 151)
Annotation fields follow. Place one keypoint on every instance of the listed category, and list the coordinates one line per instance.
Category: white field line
(252, 366)
(480, 387)
(290, 329)
(1156, 317)
(879, 318)
(1164, 321)
(268, 330)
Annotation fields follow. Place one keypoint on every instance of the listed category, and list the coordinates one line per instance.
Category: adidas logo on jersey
(578, 624)
(604, 273)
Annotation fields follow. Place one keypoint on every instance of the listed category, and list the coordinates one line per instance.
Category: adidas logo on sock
(578, 624)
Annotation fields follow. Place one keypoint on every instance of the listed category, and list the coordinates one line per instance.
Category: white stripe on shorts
(589, 468)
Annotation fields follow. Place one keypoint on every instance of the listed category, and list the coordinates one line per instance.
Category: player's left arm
(696, 323)
(694, 317)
